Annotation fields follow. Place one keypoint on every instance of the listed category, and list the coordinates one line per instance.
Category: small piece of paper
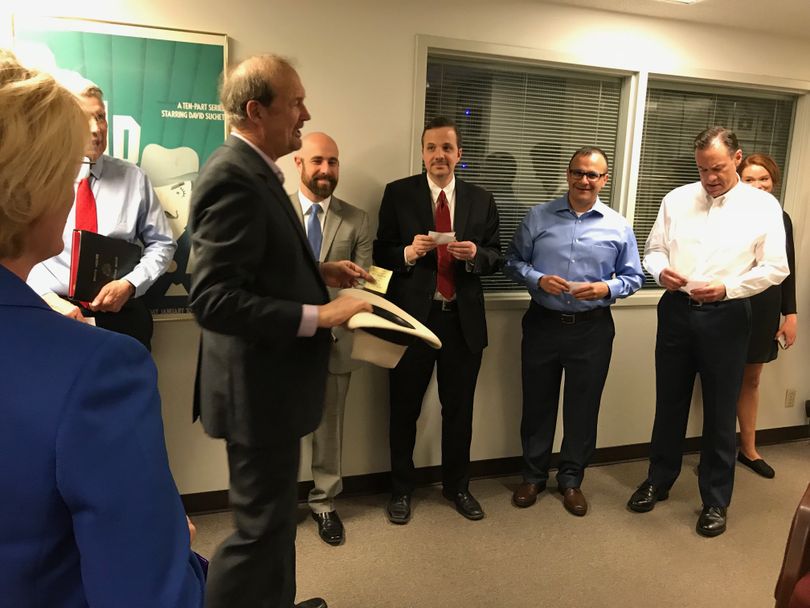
(574, 286)
(690, 285)
(442, 238)
(382, 277)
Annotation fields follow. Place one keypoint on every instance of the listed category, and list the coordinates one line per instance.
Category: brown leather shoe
(526, 494)
(574, 501)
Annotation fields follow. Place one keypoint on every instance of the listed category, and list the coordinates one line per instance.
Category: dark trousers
(456, 374)
(255, 566)
(581, 349)
(134, 319)
(710, 340)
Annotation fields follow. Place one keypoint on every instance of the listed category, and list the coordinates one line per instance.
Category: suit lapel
(296, 205)
(275, 189)
(425, 205)
(334, 217)
(462, 210)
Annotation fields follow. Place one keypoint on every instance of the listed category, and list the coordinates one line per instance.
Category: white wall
(357, 61)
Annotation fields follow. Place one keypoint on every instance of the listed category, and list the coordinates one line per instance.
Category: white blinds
(674, 115)
(519, 126)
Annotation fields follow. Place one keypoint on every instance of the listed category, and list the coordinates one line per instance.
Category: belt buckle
(446, 306)
(568, 318)
(695, 303)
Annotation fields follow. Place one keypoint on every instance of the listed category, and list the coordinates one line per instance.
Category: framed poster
(160, 88)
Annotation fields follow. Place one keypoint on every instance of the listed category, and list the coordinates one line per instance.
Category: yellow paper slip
(381, 276)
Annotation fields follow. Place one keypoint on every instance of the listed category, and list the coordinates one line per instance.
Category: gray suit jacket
(345, 237)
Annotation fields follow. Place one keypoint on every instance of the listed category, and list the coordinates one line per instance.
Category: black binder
(96, 260)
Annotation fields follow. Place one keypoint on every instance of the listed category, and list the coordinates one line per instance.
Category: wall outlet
(790, 397)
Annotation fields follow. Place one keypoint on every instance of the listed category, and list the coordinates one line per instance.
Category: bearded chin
(322, 189)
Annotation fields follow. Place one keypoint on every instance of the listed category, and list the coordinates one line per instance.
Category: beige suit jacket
(345, 237)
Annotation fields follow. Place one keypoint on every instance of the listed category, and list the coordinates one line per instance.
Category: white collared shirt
(306, 205)
(449, 193)
(737, 238)
(127, 208)
(270, 163)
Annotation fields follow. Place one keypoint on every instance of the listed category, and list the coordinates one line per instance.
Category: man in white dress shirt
(714, 243)
(126, 208)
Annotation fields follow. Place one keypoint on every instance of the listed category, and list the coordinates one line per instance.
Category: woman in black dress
(773, 320)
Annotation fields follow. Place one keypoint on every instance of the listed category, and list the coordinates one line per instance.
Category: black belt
(444, 306)
(682, 295)
(571, 318)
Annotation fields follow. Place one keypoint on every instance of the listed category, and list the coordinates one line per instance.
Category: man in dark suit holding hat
(260, 297)
(440, 285)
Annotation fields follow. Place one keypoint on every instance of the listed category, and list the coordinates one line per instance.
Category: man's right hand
(340, 310)
(422, 243)
(551, 283)
(671, 280)
(63, 307)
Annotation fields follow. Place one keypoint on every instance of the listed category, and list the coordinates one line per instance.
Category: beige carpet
(542, 556)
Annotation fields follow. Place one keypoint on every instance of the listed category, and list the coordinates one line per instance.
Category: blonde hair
(43, 135)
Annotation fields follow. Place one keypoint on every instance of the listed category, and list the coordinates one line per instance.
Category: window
(675, 114)
(519, 125)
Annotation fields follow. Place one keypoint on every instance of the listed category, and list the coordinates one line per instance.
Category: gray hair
(254, 79)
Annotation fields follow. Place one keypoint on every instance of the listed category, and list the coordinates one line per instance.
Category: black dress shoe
(330, 528)
(315, 602)
(644, 499)
(712, 521)
(465, 504)
(399, 509)
(758, 466)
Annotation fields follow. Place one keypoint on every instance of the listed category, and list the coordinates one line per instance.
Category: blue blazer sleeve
(112, 472)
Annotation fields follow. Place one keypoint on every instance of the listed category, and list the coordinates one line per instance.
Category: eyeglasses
(591, 175)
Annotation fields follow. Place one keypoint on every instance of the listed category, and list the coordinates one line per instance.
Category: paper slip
(576, 286)
(381, 276)
(690, 285)
(442, 238)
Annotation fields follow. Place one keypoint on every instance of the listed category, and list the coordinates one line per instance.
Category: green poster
(160, 87)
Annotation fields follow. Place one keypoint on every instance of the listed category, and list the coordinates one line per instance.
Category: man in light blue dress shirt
(576, 256)
(128, 209)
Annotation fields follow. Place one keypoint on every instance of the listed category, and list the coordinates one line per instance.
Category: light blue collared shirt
(598, 245)
(128, 209)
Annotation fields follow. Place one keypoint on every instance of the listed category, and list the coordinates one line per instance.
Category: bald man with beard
(344, 235)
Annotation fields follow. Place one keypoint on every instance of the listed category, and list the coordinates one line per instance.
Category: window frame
(635, 83)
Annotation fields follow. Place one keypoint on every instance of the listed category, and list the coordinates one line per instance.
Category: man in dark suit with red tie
(438, 284)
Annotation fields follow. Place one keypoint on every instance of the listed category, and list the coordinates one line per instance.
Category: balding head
(254, 79)
(263, 99)
(318, 165)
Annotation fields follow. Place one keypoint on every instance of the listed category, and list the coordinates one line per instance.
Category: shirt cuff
(735, 290)
(309, 321)
(614, 288)
(405, 258)
(139, 280)
(533, 281)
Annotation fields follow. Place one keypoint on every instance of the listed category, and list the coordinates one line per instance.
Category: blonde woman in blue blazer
(90, 514)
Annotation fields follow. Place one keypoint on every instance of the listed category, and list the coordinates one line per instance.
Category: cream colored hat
(381, 336)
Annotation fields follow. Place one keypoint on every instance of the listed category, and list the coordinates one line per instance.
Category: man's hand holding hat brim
(340, 310)
(377, 338)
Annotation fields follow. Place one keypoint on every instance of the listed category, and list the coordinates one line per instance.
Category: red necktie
(86, 218)
(446, 280)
